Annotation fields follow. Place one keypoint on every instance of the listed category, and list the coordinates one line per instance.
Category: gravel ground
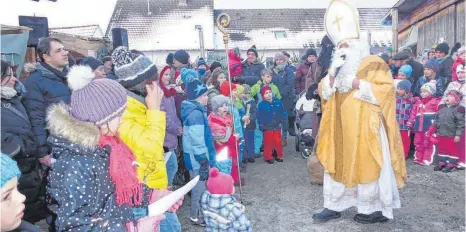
(282, 199)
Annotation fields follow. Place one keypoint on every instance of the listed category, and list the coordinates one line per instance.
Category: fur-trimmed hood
(62, 125)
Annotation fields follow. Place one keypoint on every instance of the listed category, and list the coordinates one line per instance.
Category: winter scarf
(8, 92)
(219, 130)
(280, 67)
(58, 73)
(122, 171)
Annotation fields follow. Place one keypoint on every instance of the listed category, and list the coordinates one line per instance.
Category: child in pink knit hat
(222, 212)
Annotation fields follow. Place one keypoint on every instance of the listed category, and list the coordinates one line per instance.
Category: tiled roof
(85, 31)
(169, 25)
(303, 27)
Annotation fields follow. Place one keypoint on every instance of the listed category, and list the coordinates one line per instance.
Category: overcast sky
(84, 12)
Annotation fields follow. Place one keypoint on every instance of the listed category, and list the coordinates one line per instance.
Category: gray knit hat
(430, 87)
(95, 100)
(247, 89)
(132, 68)
(218, 101)
(280, 56)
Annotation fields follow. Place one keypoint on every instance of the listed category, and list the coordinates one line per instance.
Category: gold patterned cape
(349, 141)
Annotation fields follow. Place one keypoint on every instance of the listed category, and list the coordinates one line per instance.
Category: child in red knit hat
(272, 117)
(222, 212)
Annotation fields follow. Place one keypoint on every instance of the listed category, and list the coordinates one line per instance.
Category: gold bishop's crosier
(223, 21)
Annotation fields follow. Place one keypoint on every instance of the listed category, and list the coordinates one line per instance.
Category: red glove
(158, 194)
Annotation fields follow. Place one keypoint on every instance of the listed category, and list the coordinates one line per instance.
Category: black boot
(439, 167)
(448, 169)
(325, 216)
(291, 127)
(371, 218)
(279, 160)
(269, 161)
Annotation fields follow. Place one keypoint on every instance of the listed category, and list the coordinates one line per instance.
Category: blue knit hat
(406, 69)
(432, 64)
(188, 74)
(405, 85)
(8, 169)
(201, 62)
(195, 88)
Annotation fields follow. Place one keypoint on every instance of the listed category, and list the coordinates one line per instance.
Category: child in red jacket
(421, 119)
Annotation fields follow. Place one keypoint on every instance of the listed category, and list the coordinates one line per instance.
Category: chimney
(182, 3)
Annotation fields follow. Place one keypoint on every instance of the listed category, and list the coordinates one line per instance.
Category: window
(280, 35)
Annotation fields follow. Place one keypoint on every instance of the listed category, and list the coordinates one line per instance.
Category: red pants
(461, 149)
(425, 149)
(273, 140)
(448, 151)
(406, 141)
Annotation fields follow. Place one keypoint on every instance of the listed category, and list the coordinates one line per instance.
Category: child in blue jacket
(271, 116)
(198, 143)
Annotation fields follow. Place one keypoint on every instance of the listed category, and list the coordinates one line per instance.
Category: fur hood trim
(62, 124)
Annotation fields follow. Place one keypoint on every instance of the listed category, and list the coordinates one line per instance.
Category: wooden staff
(223, 21)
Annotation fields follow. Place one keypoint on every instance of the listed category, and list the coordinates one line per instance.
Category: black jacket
(449, 121)
(418, 71)
(251, 73)
(445, 69)
(252, 114)
(79, 180)
(16, 129)
(45, 86)
(284, 81)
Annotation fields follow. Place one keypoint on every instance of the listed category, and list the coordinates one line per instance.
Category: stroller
(305, 114)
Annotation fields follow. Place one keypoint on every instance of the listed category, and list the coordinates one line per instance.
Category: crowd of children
(430, 116)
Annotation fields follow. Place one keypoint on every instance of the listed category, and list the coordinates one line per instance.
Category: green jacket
(256, 89)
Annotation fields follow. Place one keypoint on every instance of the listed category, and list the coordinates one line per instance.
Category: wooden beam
(395, 29)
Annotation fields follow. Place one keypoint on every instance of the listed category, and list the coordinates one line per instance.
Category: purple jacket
(173, 123)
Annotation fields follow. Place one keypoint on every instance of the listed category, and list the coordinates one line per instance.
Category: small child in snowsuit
(421, 118)
(271, 116)
(234, 110)
(404, 105)
(221, 124)
(223, 213)
(448, 126)
(249, 121)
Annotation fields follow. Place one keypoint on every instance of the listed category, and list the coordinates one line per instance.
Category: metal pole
(223, 21)
(201, 40)
(395, 29)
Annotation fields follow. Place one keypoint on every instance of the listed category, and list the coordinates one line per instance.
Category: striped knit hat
(132, 68)
(95, 100)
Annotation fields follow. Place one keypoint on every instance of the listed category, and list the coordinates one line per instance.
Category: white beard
(356, 51)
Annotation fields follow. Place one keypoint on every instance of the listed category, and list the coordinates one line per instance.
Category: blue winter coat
(44, 88)
(198, 142)
(422, 80)
(284, 81)
(252, 72)
(271, 115)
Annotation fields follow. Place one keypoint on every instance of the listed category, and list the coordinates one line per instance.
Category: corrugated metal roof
(169, 25)
(86, 30)
(303, 27)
